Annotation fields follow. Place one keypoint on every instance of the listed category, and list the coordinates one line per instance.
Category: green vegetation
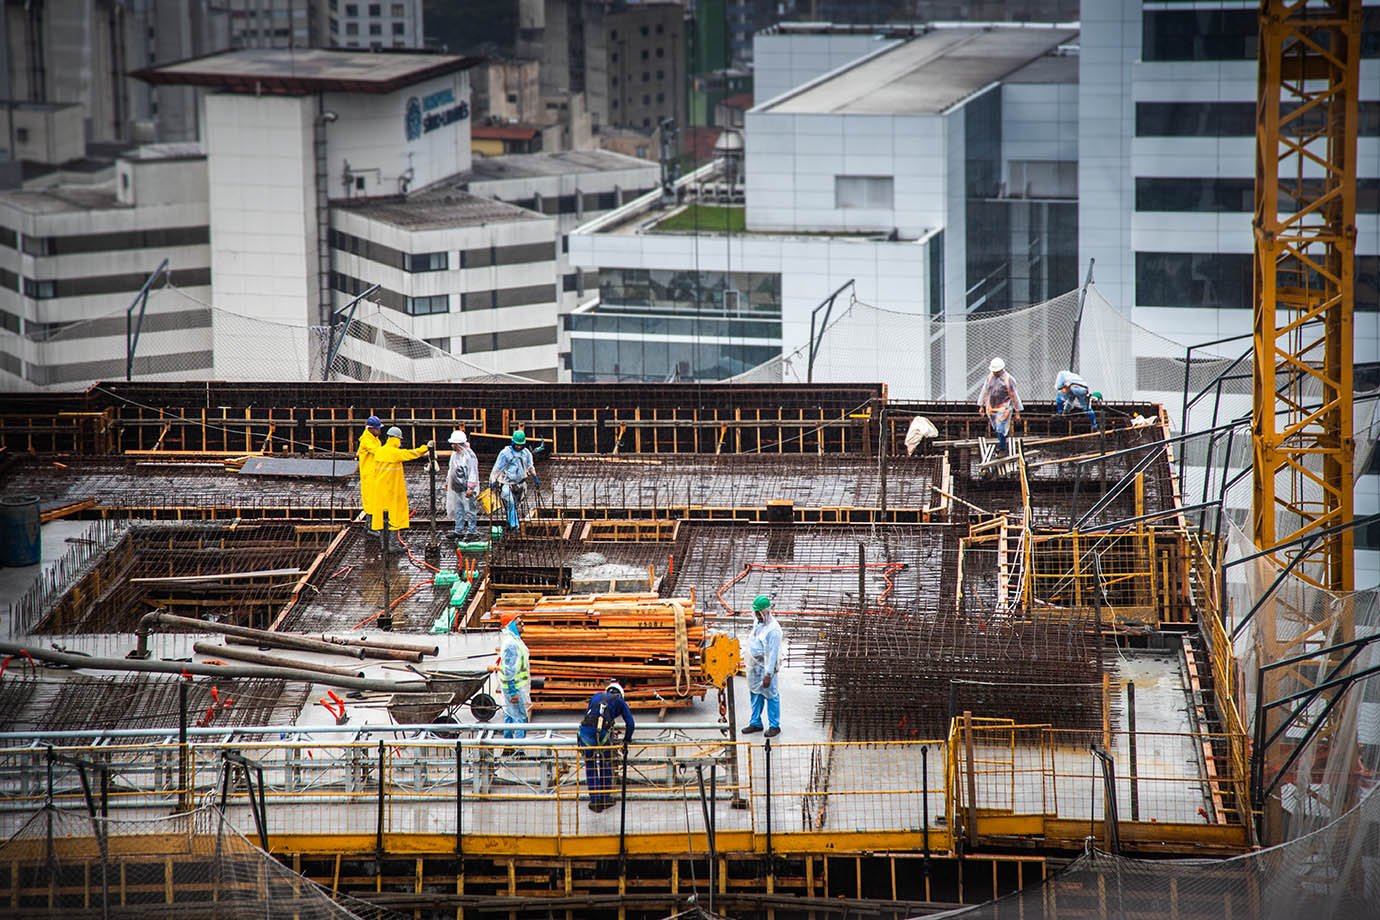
(706, 218)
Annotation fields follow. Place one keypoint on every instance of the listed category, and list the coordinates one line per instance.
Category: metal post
(862, 578)
(881, 459)
(970, 819)
(925, 806)
(708, 832)
(713, 829)
(623, 819)
(1131, 746)
(386, 617)
(459, 811)
(1078, 321)
(378, 834)
(433, 549)
(767, 770)
(185, 795)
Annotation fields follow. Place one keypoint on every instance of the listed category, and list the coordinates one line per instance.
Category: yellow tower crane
(1306, 126)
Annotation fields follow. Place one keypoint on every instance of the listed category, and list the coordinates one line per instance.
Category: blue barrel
(20, 542)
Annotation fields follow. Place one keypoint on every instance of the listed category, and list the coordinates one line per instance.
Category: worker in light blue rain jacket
(596, 736)
(1072, 392)
(764, 660)
(510, 472)
(462, 487)
(1000, 402)
(514, 675)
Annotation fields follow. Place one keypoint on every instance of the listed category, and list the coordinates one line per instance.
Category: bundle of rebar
(578, 643)
(900, 677)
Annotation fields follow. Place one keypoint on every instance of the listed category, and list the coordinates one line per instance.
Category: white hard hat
(458, 437)
(614, 687)
(395, 432)
(997, 366)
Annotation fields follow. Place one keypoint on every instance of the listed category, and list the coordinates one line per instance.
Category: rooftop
(564, 163)
(184, 150)
(504, 132)
(437, 208)
(928, 74)
(61, 199)
(297, 72)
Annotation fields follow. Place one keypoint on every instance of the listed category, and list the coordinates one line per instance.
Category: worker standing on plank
(369, 442)
(999, 401)
(596, 733)
(1072, 392)
(764, 660)
(511, 469)
(462, 487)
(389, 483)
(514, 675)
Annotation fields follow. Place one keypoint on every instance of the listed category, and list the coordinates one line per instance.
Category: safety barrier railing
(1142, 577)
(1015, 779)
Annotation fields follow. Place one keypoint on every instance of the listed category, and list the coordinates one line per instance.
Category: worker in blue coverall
(764, 660)
(510, 472)
(514, 675)
(596, 731)
(1072, 392)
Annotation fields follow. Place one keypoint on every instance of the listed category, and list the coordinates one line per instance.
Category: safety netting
(1332, 873)
(184, 866)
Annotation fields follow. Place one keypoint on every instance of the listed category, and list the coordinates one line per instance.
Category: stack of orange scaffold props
(578, 643)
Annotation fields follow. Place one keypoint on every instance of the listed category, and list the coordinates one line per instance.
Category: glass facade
(1223, 34)
(661, 324)
(670, 291)
(1232, 195)
(1224, 279)
(1226, 119)
(988, 227)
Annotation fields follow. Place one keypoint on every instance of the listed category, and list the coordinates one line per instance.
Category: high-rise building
(375, 24)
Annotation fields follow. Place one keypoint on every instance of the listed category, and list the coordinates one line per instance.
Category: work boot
(772, 732)
(751, 729)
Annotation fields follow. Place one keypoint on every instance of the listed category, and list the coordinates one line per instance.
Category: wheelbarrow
(449, 691)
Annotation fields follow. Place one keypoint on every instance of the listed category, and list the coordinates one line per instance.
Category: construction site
(991, 661)
(1074, 675)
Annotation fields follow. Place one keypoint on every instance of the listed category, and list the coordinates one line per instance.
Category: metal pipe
(432, 650)
(263, 636)
(244, 654)
(352, 651)
(1131, 749)
(84, 662)
(309, 730)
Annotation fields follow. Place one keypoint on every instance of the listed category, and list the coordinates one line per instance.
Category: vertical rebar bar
(1134, 775)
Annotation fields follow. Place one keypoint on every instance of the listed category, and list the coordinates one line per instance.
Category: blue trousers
(516, 712)
(1076, 399)
(773, 705)
(598, 766)
(1000, 421)
(511, 497)
(467, 514)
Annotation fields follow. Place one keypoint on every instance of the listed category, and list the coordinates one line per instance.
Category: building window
(1228, 119)
(660, 97)
(39, 290)
(661, 75)
(646, 76)
(376, 9)
(647, 100)
(399, 28)
(426, 306)
(614, 104)
(1184, 279)
(613, 58)
(645, 54)
(21, 135)
(375, 28)
(661, 52)
(352, 9)
(425, 262)
(1224, 196)
(440, 344)
(644, 30)
(863, 191)
(399, 10)
(1223, 35)
(351, 28)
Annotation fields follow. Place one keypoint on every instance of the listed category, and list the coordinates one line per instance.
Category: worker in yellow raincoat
(369, 442)
(389, 485)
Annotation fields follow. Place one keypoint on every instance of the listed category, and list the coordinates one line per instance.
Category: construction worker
(1072, 392)
(514, 675)
(764, 660)
(596, 733)
(1000, 402)
(510, 472)
(462, 487)
(369, 442)
(389, 483)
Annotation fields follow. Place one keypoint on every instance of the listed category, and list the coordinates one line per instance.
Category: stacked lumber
(579, 642)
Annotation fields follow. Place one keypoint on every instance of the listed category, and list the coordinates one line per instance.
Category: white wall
(781, 62)
(793, 159)
(1109, 46)
(370, 133)
(261, 171)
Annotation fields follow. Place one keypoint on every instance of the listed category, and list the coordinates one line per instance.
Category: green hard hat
(762, 602)
(519, 437)
(1096, 394)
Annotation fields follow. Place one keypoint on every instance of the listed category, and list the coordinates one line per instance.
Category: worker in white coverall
(764, 660)
(462, 487)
